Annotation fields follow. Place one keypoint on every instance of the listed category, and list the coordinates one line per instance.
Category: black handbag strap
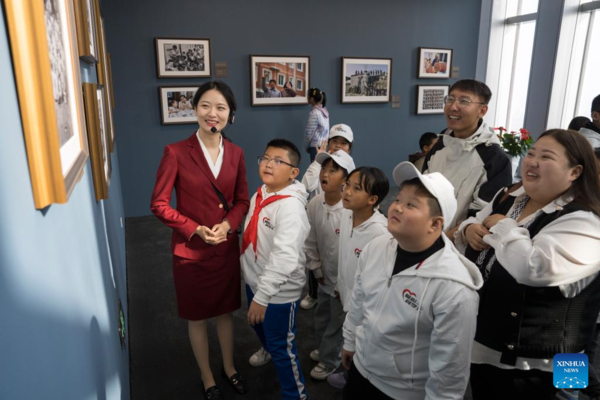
(221, 197)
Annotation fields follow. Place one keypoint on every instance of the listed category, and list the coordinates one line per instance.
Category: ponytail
(318, 96)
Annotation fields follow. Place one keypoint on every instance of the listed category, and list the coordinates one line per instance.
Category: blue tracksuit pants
(278, 336)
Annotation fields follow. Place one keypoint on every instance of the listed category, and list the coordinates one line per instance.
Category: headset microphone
(213, 129)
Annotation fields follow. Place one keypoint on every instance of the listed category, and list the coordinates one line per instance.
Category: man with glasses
(469, 153)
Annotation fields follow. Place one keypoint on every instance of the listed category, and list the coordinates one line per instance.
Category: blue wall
(325, 30)
(62, 272)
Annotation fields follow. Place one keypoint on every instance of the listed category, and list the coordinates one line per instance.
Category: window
(267, 74)
(299, 85)
(291, 79)
(576, 80)
(291, 65)
(280, 79)
(300, 67)
(509, 61)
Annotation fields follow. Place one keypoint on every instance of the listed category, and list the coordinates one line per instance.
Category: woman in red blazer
(205, 245)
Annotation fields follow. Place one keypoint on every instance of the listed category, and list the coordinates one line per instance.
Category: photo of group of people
(279, 80)
(366, 80)
(176, 105)
(183, 58)
(434, 63)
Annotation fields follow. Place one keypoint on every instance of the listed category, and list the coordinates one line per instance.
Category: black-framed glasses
(262, 160)
(462, 102)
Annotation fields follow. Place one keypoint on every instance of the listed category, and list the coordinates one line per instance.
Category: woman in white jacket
(410, 328)
(538, 249)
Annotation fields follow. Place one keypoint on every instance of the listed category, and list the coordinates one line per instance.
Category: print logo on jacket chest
(357, 252)
(410, 298)
(267, 223)
(337, 232)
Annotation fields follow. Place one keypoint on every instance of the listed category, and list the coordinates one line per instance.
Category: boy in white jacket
(413, 313)
(365, 189)
(273, 263)
(324, 215)
(341, 137)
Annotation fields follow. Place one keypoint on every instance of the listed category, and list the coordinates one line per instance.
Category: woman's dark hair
(577, 123)
(373, 181)
(427, 138)
(222, 88)
(290, 83)
(585, 190)
(318, 96)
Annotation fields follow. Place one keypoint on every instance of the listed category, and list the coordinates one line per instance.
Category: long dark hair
(318, 96)
(222, 88)
(585, 190)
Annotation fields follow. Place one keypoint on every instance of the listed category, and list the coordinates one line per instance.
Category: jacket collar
(198, 156)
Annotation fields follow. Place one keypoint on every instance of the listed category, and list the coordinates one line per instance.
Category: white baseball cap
(435, 183)
(340, 157)
(342, 130)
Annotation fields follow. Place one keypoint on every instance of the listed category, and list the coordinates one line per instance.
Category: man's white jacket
(322, 244)
(276, 273)
(413, 331)
(351, 244)
(477, 167)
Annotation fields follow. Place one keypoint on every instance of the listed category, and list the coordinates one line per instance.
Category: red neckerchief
(251, 233)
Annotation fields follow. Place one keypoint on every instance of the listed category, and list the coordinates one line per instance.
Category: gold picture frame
(85, 22)
(99, 140)
(47, 73)
(102, 72)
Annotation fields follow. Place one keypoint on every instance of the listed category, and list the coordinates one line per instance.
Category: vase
(515, 163)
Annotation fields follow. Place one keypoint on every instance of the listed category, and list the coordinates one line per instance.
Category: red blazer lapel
(198, 156)
(227, 167)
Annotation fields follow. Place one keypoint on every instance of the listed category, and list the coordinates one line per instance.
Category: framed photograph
(85, 21)
(183, 58)
(176, 105)
(98, 138)
(103, 72)
(366, 80)
(430, 98)
(43, 41)
(434, 63)
(279, 80)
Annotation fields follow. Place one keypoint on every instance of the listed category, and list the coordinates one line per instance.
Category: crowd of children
(397, 298)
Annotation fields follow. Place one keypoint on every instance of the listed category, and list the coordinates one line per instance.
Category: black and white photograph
(434, 63)
(430, 98)
(366, 80)
(62, 69)
(279, 80)
(176, 105)
(183, 58)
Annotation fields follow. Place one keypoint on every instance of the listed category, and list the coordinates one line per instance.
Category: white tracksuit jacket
(322, 243)
(278, 274)
(413, 331)
(352, 242)
(311, 179)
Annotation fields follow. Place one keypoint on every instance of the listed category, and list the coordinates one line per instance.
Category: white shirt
(216, 167)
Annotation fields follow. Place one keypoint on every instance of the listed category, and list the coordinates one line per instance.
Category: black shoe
(236, 381)
(213, 393)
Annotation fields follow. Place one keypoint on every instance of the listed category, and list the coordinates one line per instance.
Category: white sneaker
(308, 302)
(321, 372)
(261, 357)
(314, 355)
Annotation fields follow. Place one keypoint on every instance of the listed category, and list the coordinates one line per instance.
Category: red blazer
(185, 168)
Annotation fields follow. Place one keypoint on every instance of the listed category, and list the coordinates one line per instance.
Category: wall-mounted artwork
(99, 139)
(279, 80)
(85, 21)
(43, 40)
(183, 58)
(104, 78)
(366, 80)
(430, 98)
(176, 105)
(434, 63)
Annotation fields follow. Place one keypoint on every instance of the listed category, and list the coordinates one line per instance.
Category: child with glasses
(273, 263)
(469, 153)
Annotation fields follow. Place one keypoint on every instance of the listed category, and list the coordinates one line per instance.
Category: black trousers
(593, 389)
(358, 387)
(493, 383)
(313, 285)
